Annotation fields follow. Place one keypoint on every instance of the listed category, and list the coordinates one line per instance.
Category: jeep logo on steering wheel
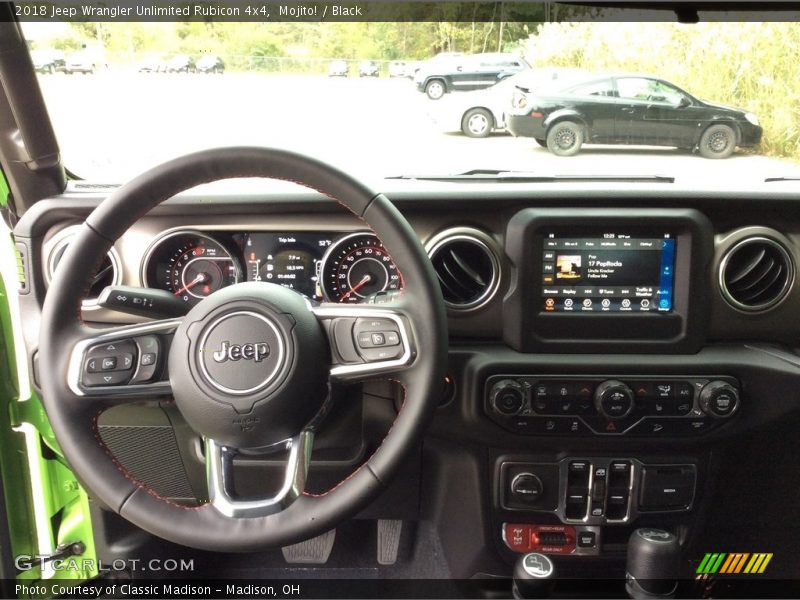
(256, 351)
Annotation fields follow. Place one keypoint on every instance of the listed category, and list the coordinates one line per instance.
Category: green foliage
(752, 66)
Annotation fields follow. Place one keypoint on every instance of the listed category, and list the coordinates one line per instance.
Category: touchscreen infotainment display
(608, 272)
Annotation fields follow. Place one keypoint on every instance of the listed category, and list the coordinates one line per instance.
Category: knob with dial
(613, 399)
(719, 399)
(507, 397)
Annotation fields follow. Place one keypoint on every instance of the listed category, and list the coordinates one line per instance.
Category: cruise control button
(148, 358)
(364, 340)
(378, 339)
(378, 354)
(392, 338)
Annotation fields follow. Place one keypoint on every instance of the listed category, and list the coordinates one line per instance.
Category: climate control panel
(611, 406)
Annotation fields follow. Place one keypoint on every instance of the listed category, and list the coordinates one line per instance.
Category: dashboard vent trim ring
(756, 274)
(466, 285)
(54, 248)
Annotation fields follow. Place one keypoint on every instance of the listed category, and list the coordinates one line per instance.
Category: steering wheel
(250, 367)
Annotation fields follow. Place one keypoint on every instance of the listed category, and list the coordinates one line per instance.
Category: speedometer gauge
(356, 266)
(190, 265)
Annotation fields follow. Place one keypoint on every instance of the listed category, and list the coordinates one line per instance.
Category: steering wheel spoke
(122, 362)
(367, 340)
(221, 485)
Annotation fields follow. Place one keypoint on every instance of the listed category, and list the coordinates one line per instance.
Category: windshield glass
(412, 98)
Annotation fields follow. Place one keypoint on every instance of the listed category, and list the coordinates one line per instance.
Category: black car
(629, 109)
(473, 72)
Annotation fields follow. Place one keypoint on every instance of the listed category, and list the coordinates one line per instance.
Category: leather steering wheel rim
(74, 417)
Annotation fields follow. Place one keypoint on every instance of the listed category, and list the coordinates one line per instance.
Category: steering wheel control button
(719, 399)
(377, 339)
(105, 378)
(613, 399)
(507, 397)
(149, 348)
(527, 488)
(108, 364)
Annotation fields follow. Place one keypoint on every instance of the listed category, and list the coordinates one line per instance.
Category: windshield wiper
(489, 175)
(787, 178)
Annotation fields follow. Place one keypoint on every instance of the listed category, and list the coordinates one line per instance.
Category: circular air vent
(466, 263)
(107, 274)
(756, 274)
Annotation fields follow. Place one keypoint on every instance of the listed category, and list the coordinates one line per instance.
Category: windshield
(422, 98)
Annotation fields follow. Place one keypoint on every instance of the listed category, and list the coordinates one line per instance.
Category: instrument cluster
(326, 266)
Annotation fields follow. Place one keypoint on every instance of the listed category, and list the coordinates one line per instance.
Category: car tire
(565, 138)
(718, 141)
(542, 142)
(477, 123)
(435, 89)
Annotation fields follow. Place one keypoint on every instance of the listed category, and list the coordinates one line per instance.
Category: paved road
(114, 124)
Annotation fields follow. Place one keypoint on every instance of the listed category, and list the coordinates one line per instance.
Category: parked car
(398, 68)
(368, 68)
(48, 61)
(338, 68)
(80, 62)
(153, 65)
(210, 63)
(473, 72)
(181, 63)
(479, 112)
(629, 109)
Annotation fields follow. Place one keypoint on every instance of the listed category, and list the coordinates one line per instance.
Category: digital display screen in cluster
(288, 259)
(608, 273)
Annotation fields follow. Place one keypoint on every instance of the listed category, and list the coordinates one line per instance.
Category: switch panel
(596, 490)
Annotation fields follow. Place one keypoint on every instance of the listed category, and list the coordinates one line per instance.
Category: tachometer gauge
(190, 265)
(356, 266)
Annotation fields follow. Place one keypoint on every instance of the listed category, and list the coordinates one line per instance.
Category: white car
(477, 113)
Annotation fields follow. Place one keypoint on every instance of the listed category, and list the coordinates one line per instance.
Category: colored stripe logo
(734, 563)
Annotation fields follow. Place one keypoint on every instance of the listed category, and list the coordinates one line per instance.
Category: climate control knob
(507, 397)
(719, 399)
(613, 399)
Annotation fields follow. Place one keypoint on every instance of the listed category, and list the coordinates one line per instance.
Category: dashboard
(606, 345)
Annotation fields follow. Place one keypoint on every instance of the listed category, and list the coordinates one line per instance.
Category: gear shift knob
(653, 564)
(534, 576)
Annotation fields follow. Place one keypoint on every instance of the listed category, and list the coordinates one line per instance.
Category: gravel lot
(114, 124)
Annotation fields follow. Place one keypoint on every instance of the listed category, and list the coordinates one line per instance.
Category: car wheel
(718, 141)
(477, 123)
(565, 138)
(435, 89)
